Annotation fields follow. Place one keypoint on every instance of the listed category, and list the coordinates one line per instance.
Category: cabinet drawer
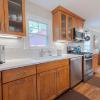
(14, 74)
(52, 65)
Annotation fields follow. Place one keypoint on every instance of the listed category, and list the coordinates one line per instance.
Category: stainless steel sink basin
(48, 58)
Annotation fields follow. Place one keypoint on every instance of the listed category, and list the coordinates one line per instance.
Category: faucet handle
(49, 52)
(41, 53)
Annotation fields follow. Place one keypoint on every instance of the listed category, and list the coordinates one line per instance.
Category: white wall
(37, 13)
(97, 36)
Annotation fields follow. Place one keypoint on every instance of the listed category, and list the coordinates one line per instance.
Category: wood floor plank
(90, 91)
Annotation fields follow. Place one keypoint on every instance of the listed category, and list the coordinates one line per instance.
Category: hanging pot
(87, 38)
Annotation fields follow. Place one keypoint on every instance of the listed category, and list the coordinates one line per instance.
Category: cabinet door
(70, 28)
(46, 84)
(95, 61)
(15, 17)
(62, 79)
(1, 16)
(56, 26)
(64, 22)
(79, 24)
(23, 89)
(0, 93)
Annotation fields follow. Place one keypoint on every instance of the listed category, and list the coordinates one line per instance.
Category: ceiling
(88, 9)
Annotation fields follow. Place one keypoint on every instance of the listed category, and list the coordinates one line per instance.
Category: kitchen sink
(48, 58)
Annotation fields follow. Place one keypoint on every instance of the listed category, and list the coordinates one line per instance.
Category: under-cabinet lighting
(8, 36)
(61, 41)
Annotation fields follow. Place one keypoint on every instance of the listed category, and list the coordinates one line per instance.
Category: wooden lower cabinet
(0, 92)
(0, 88)
(95, 61)
(52, 83)
(46, 84)
(62, 79)
(22, 89)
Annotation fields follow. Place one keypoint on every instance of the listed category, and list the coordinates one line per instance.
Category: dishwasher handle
(75, 58)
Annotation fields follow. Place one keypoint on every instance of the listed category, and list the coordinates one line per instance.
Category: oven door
(88, 69)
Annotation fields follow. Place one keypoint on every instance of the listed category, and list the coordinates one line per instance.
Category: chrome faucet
(41, 53)
(2, 54)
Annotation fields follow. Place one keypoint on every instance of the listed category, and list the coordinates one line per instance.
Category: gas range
(86, 55)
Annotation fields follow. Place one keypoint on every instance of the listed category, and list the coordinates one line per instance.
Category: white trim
(42, 20)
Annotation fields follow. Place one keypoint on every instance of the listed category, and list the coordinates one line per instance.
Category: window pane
(42, 26)
(37, 33)
(42, 29)
(38, 40)
(33, 27)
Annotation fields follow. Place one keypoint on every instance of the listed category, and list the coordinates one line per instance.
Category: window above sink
(38, 33)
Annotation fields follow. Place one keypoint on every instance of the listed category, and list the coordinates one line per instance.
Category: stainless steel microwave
(78, 36)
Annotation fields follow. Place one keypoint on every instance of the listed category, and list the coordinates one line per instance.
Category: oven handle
(88, 59)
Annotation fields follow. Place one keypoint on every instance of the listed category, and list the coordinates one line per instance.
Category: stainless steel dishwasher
(76, 70)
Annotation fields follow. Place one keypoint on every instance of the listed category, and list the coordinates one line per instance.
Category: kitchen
(49, 50)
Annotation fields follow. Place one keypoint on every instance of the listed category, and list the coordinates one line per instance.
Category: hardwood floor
(90, 89)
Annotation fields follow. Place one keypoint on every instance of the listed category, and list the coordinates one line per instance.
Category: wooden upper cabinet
(1, 16)
(70, 28)
(56, 25)
(63, 23)
(79, 24)
(22, 89)
(15, 17)
(64, 29)
(60, 21)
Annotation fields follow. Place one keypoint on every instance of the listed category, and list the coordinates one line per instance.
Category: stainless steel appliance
(76, 70)
(87, 66)
(77, 35)
(2, 54)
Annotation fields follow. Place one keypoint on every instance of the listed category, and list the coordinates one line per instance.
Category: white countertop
(16, 63)
(96, 51)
